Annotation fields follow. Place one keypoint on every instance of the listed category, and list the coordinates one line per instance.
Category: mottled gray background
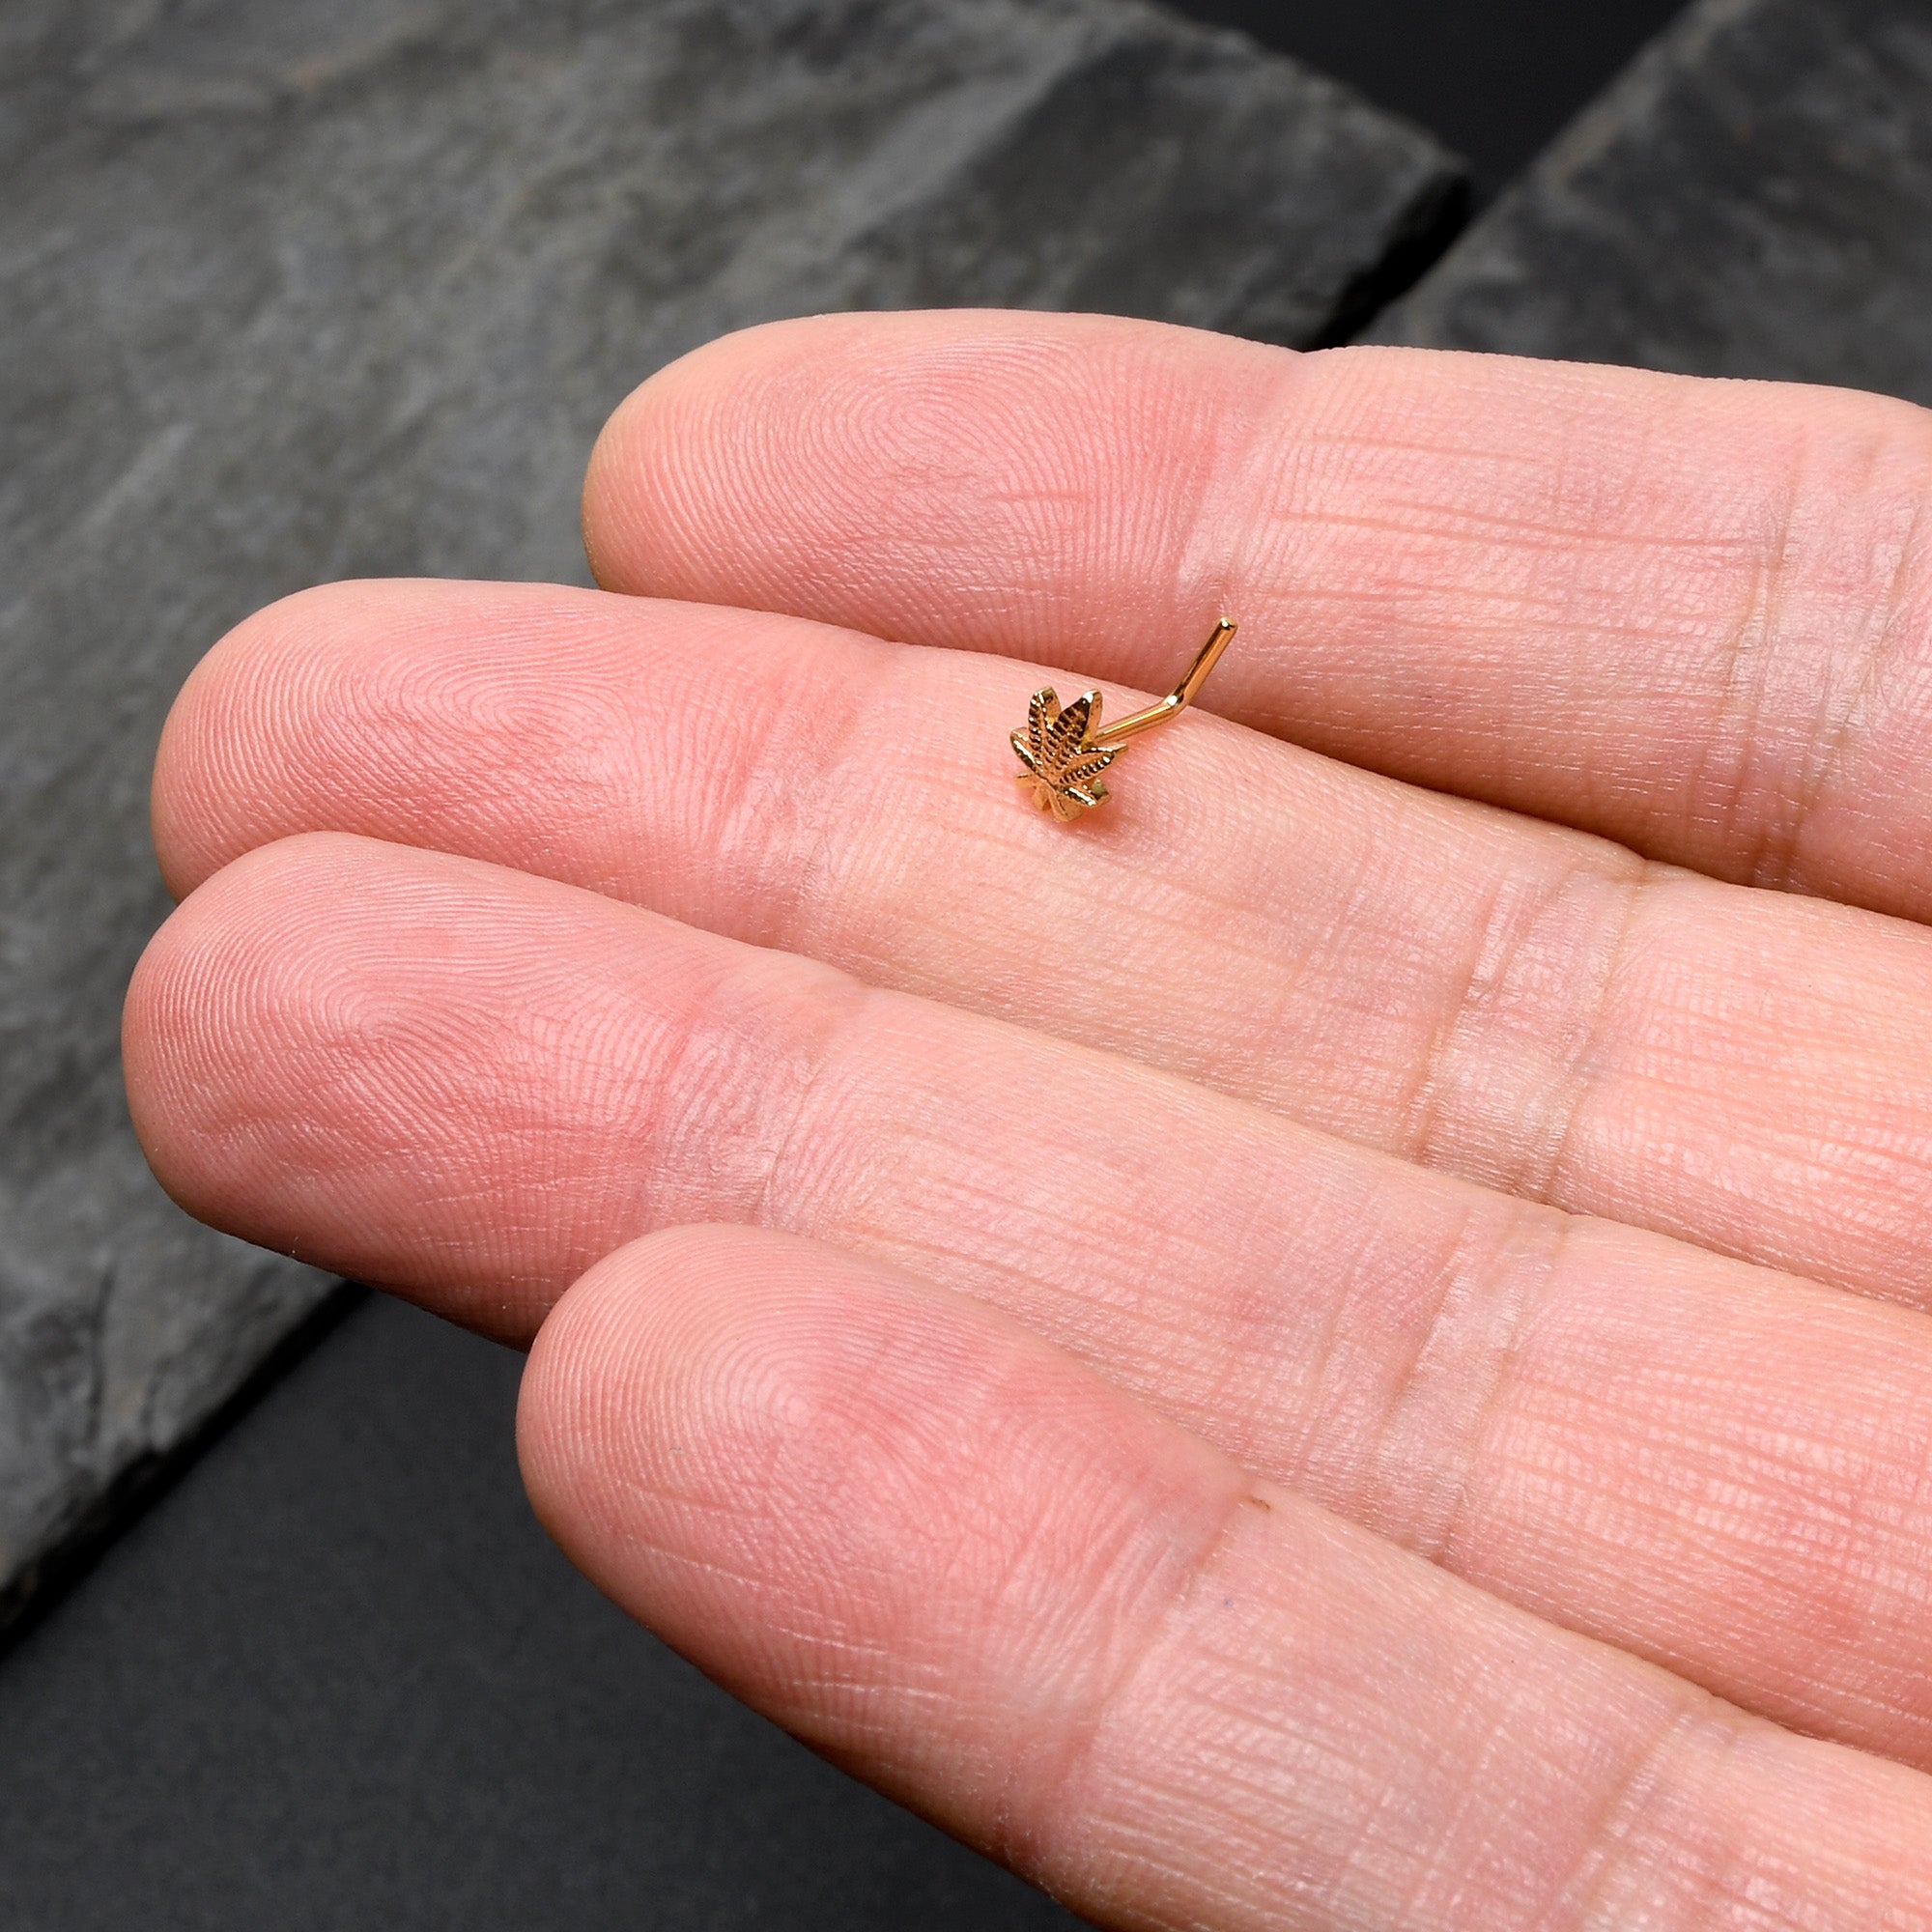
(293, 292)
(1753, 197)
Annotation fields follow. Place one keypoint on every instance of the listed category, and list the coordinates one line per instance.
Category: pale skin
(1344, 1343)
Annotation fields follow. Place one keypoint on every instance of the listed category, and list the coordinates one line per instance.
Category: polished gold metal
(1065, 752)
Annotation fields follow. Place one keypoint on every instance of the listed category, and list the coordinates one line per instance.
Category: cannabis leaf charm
(1063, 767)
(1065, 752)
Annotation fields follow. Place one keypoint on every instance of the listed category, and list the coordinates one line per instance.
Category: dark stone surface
(1497, 79)
(296, 292)
(339, 1680)
(1753, 198)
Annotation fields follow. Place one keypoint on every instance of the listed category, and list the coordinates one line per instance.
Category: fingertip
(781, 1456)
(212, 796)
(777, 468)
(666, 429)
(184, 790)
(423, 711)
(266, 1079)
(593, 1386)
(183, 1013)
(694, 1437)
(662, 1363)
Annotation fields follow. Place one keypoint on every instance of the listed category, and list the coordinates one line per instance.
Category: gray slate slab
(291, 292)
(1753, 198)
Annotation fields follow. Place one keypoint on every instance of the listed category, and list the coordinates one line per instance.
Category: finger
(1696, 616)
(469, 1084)
(944, 1554)
(1524, 1005)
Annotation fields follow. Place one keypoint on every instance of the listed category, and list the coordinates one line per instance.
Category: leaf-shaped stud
(1065, 752)
(1063, 769)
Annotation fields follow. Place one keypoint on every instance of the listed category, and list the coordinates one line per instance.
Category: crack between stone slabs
(45, 1581)
(1431, 224)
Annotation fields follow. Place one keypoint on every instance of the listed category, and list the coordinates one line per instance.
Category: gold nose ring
(1065, 752)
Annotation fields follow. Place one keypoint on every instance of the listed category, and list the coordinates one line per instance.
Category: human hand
(1299, 1352)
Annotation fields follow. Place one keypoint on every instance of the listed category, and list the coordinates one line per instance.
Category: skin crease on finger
(1517, 1002)
(470, 1083)
(1696, 616)
(967, 1569)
